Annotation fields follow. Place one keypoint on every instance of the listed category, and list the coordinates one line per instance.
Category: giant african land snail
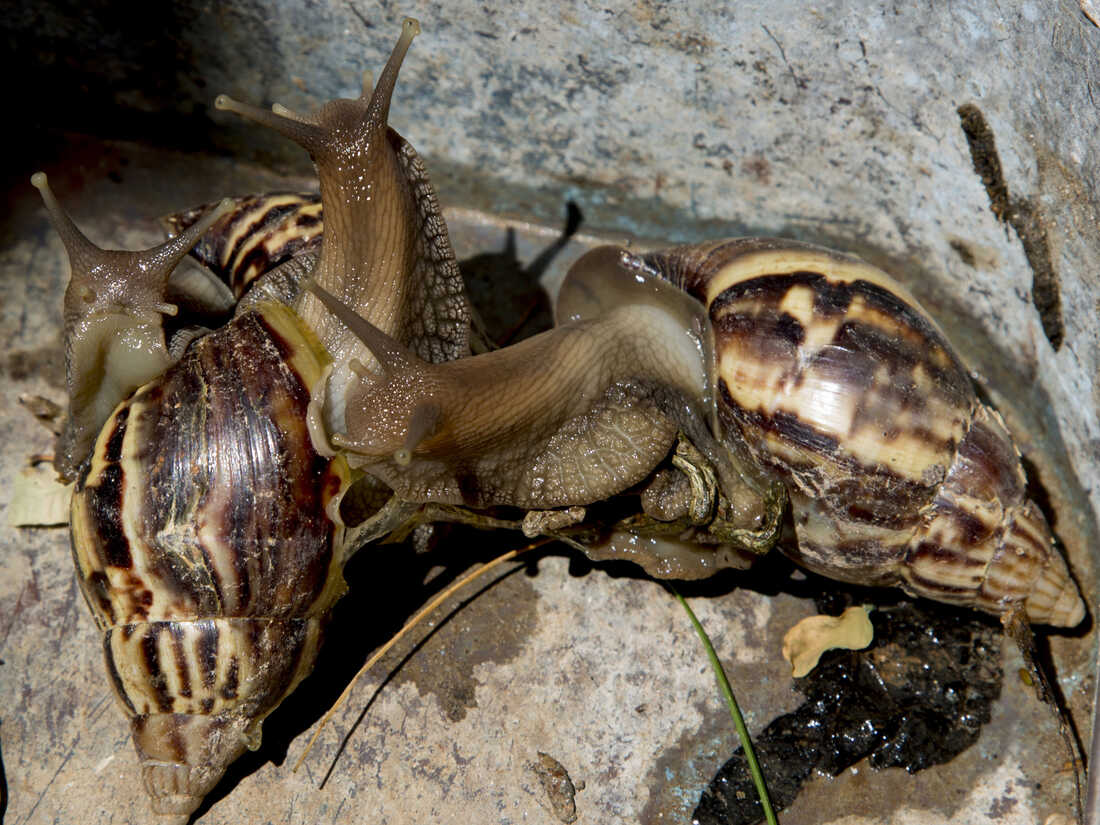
(830, 374)
(206, 522)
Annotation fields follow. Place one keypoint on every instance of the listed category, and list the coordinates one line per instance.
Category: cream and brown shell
(205, 551)
(205, 524)
(843, 387)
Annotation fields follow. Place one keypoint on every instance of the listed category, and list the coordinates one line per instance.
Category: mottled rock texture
(835, 123)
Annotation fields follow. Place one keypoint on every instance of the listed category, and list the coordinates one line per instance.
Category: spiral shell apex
(983, 543)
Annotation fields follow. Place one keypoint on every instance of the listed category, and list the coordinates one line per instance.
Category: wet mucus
(917, 697)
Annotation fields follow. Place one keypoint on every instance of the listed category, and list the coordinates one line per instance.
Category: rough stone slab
(834, 123)
(602, 673)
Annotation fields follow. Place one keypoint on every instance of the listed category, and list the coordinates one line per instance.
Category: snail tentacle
(208, 523)
(385, 251)
(570, 417)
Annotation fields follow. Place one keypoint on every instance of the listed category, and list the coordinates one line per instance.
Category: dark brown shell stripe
(258, 234)
(198, 693)
(850, 394)
(982, 536)
(163, 533)
(263, 231)
(210, 666)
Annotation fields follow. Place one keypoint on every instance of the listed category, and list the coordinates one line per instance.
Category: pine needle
(735, 711)
(413, 622)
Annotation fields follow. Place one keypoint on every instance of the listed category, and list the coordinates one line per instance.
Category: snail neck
(368, 246)
(572, 416)
(369, 210)
(530, 391)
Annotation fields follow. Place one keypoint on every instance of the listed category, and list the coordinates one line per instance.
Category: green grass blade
(735, 712)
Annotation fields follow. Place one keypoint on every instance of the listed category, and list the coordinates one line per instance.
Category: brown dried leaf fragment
(558, 786)
(804, 643)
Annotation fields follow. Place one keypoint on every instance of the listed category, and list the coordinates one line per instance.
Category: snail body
(569, 417)
(824, 368)
(206, 527)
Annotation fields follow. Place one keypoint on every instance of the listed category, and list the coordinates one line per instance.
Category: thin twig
(413, 622)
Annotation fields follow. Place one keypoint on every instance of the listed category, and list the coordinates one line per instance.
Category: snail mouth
(367, 452)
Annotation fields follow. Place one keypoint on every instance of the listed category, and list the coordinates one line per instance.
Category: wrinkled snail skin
(205, 524)
(569, 417)
(845, 390)
(384, 251)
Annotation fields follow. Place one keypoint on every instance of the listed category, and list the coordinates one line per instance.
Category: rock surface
(835, 123)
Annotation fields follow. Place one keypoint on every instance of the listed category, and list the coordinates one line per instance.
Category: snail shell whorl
(204, 551)
(255, 235)
(849, 393)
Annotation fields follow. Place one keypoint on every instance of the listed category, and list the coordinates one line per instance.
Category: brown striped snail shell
(256, 234)
(205, 523)
(846, 390)
(206, 551)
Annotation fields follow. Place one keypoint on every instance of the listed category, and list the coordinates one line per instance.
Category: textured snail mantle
(223, 478)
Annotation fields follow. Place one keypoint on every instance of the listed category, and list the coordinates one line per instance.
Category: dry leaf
(39, 499)
(806, 641)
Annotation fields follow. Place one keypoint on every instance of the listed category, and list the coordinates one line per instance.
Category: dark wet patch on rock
(916, 698)
(762, 688)
(488, 628)
(46, 363)
(1024, 215)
